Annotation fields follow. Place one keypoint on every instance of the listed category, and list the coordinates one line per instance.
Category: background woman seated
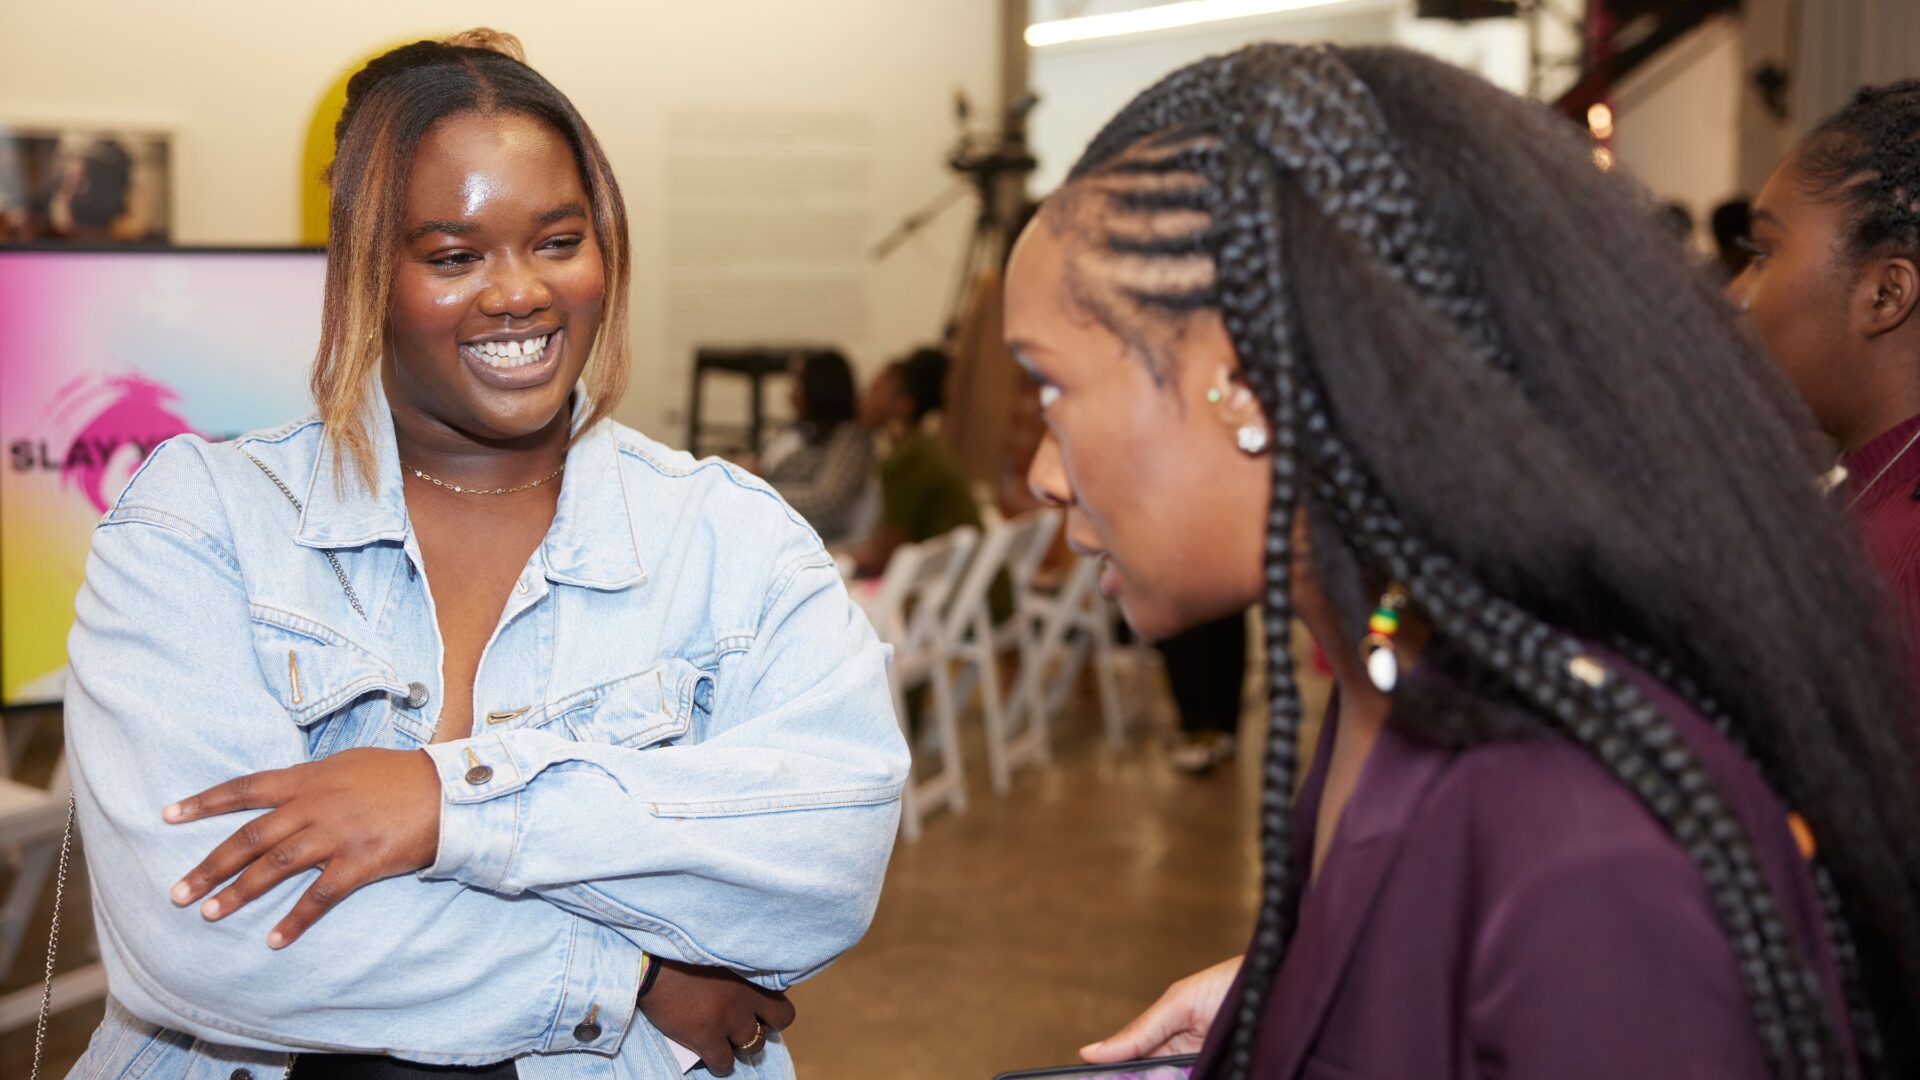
(823, 465)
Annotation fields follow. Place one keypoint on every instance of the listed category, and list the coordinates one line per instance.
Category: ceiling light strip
(1159, 17)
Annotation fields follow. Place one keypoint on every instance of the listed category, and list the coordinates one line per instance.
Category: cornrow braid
(1236, 180)
(1176, 244)
(1867, 156)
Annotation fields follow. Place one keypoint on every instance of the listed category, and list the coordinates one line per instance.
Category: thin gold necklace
(457, 489)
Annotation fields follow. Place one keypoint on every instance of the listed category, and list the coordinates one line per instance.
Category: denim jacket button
(478, 775)
(416, 695)
(586, 1031)
(240, 1074)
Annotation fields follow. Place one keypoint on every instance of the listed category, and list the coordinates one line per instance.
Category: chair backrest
(1033, 538)
(918, 586)
(970, 596)
(1014, 548)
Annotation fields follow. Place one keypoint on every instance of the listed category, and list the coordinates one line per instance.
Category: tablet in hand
(1167, 1068)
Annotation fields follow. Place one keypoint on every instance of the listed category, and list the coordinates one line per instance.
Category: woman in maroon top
(1832, 287)
(1336, 330)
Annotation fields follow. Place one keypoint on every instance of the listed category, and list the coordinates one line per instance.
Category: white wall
(1495, 49)
(1846, 44)
(1677, 121)
(237, 83)
(1083, 84)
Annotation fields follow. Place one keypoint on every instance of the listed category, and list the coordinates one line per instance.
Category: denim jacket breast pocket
(341, 693)
(665, 703)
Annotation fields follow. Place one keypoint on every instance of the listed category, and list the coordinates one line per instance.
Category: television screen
(103, 355)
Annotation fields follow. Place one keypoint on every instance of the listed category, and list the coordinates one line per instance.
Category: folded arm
(760, 848)
(167, 699)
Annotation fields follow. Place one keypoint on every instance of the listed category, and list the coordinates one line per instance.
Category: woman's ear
(1888, 293)
(1238, 410)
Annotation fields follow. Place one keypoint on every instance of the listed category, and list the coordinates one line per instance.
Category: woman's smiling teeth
(510, 354)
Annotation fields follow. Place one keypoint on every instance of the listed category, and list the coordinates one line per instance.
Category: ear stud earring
(1251, 434)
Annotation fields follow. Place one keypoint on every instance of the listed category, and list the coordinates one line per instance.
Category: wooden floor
(1009, 935)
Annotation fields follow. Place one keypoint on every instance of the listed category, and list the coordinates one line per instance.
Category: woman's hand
(1176, 1024)
(360, 816)
(713, 1012)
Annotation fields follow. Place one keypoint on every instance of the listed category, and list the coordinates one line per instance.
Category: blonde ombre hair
(391, 103)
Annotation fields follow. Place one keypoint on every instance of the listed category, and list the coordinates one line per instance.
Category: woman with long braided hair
(1617, 780)
(1833, 287)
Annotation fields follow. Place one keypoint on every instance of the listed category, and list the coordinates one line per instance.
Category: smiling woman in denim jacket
(459, 724)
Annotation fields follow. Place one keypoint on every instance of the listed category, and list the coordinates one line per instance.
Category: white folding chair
(31, 823)
(910, 614)
(15, 733)
(1069, 628)
(1092, 618)
(1013, 548)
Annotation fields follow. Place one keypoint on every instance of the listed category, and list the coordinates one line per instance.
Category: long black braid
(1250, 182)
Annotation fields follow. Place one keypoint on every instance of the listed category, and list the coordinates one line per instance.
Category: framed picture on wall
(85, 185)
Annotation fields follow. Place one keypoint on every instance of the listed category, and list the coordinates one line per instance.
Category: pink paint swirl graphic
(122, 412)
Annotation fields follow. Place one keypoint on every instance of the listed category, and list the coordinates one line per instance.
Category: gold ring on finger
(757, 1043)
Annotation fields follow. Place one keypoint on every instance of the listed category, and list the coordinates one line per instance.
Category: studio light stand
(983, 164)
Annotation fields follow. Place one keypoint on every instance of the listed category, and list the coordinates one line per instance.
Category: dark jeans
(1206, 666)
(381, 1067)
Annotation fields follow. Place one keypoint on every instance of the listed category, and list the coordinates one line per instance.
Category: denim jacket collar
(590, 544)
(593, 542)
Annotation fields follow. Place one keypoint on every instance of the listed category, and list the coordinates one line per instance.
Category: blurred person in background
(823, 466)
(1679, 221)
(923, 490)
(1617, 780)
(1832, 287)
(1207, 672)
(1732, 223)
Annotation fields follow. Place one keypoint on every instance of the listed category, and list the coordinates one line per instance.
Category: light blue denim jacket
(688, 746)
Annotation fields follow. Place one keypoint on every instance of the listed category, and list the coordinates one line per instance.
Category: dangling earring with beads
(1376, 649)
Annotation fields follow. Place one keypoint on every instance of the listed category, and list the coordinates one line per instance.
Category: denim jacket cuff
(480, 783)
(601, 996)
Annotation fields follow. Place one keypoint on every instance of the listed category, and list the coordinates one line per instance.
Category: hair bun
(483, 37)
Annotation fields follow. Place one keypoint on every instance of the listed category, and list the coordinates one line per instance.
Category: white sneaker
(1201, 751)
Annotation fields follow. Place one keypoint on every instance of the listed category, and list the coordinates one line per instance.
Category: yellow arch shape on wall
(319, 147)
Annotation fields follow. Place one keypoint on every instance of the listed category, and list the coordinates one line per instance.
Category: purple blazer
(1510, 910)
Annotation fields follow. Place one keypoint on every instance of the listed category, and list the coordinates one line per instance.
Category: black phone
(1178, 1067)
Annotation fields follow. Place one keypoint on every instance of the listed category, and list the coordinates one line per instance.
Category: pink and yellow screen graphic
(104, 355)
